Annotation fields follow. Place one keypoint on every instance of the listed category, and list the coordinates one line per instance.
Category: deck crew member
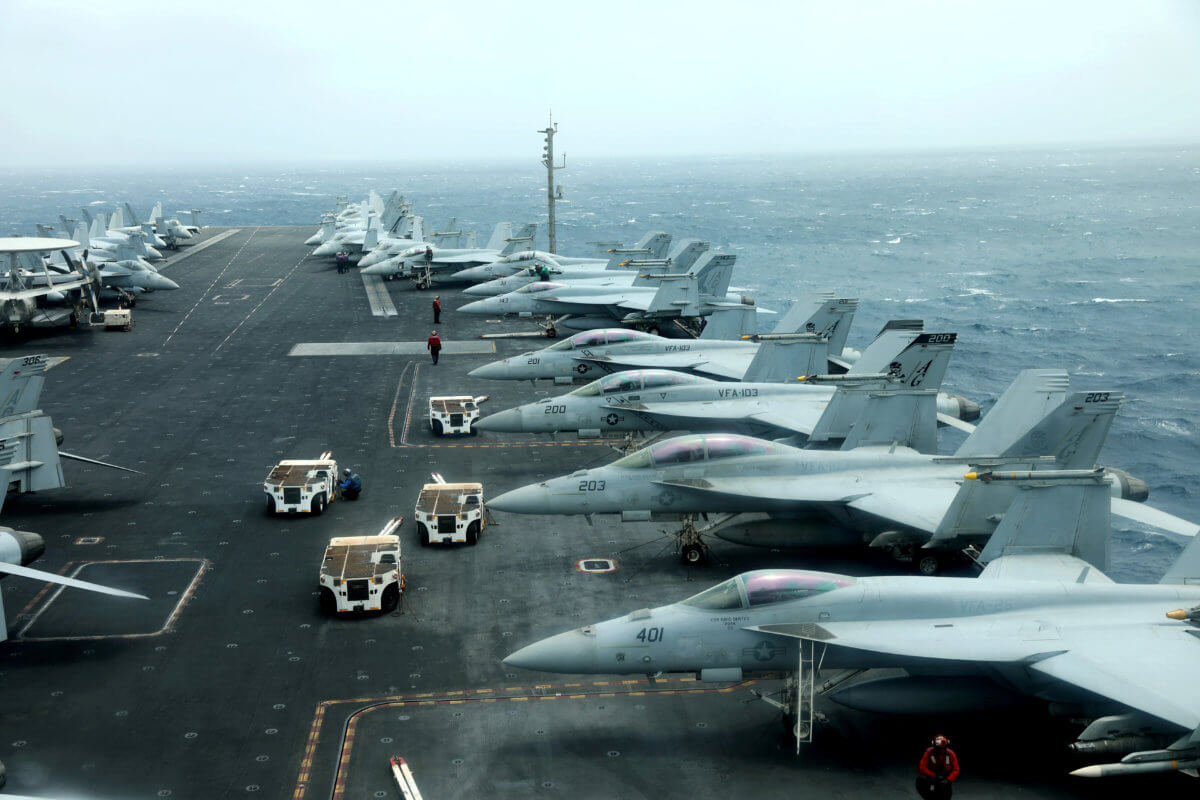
(434, 344)
(351, 484)
(437, 309)
(938, 770)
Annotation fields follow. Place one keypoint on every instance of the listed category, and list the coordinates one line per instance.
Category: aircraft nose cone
(509, 421)
(377, 269)
(478, 307)
(532, 499)
(570, 652)
(497, 370)
(157, 281)
(369, 259)
(326, 249)
(477, 290)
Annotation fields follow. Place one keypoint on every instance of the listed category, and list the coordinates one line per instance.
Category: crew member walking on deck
(938, 771)
(437, 309)
(435, 345)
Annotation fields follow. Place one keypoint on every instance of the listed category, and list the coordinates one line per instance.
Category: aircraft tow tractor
(301, 487)
(363, 573)
(454, 414)
(450, 512)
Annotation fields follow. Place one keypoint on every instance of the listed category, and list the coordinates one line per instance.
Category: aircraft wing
(660, 360)
(50, 577)
(1150, 668)
(911, 505)
(792, 415)
(466, 258)
(1148, 515)
(40, 291)
(611, 299)
(1147, 667)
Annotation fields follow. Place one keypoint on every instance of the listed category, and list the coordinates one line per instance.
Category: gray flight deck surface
(228, 682)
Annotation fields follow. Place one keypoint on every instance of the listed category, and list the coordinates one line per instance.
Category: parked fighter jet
(763, 403)
(446, 263)
(542, 267)
(348, 230)
(720, 352)
(652, 248)
(1041, 621)
(599, 304)
(901, 501)
(379, 247)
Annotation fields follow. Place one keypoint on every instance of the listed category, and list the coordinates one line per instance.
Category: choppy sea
(1085, 260)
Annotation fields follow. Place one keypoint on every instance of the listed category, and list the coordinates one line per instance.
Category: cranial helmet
(941, 741)
(346, 472)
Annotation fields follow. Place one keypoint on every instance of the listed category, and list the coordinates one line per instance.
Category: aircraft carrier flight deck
(230, 682)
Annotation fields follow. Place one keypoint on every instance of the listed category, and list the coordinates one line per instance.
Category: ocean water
(1082, 260)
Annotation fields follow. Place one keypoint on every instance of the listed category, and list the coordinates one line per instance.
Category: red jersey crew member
(437, 309)
(434, 344)
(938, 771)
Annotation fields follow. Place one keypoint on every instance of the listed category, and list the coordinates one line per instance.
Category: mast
(548, 161)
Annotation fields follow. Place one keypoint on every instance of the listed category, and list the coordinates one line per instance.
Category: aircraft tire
(929, 563)
(653, 330)
(328, 602)
(391, 597)
(692, 555)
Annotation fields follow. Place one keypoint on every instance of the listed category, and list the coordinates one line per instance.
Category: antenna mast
(548, 161)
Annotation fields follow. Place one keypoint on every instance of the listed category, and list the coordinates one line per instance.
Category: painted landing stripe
(388, 348)
(196, 248)
(378, 297)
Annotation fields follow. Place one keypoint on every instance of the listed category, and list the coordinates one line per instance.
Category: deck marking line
(210, 287)
(196, 248)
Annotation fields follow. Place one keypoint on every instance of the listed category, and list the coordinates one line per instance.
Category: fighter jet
(350, 233)
(652, 248)
(762, 403)
(446, 263)
(905, 503)
(1042, 621)
(542, 267)
(380, 247)
(720, 352)
(599, 304)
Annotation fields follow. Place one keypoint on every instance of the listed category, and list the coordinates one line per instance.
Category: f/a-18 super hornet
(348, 232)
(767, 402)
(380, 246)
(428, 264)
(542, 267)
(909, 504)
(1041, 623)
(652, 248)
(723, 350)
(599, 304)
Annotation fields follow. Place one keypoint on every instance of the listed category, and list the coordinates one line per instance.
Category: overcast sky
(125, 81)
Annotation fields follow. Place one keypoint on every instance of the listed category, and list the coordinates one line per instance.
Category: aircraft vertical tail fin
(657, 242)
(116, 219)
(1186, 568)
(831, 318)
(676, 294)
(713, 272)
(133, 217)
(389, 211)
(730, 323)
(21, 381)
(686, 254)
(781, 360)
(1024, 407)
(522, 240)
(894, 337)
(370, 239)
(879, 407)
(81, 235)
(801, 311)
(66, 223)
(905, 417)
(418, 229)
(1066, 512)
(502, 232)
(87, 215)
(126, 252)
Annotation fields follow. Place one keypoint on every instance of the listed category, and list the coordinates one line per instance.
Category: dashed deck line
(196, 248)
(211, 286)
